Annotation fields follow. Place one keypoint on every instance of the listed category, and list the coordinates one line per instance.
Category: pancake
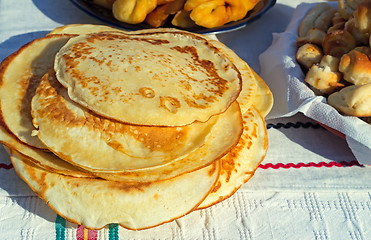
(249, 83)
(82, 29)
(157, 79)
(252, 86)
(240, 164)
(42, 159)
(95, 203)
(218, 144)
(99, 144)
(263, 99)
(20, 74)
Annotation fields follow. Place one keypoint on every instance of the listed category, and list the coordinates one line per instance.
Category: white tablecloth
(309, 186)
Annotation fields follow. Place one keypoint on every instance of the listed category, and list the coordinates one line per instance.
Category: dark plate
(106, 16)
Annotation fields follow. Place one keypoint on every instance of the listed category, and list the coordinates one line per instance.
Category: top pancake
(154, 78)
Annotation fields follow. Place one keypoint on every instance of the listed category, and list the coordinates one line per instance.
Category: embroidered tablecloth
(309, 186)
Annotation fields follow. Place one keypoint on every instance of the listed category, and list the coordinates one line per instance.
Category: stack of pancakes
(136, 128)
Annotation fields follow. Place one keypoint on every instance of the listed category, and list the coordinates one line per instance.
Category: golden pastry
(337, 43)
(314, 35)
(159, 16)
(132, 11)
(325, 76)
(308, 55)
(319, 17)
(215, 13)
(362, 17)
(353, 100)
(356, 66)
(347, 7)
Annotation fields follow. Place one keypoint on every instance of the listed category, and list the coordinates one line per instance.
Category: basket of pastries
(335, 55)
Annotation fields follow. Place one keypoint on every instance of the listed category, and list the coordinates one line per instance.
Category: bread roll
(319, 17)
(308, 55)
(362, 17)
(314, 35)
(337, 43)
(353, 100)
(356, 66)
(324, 77)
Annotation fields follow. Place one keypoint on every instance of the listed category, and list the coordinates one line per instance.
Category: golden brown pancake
(159, 78)
(263, 99)
(239, 165)
(95, 203)
(42, 159)
(83, 29)
(99, 144)
(20, 74)
(254, 90)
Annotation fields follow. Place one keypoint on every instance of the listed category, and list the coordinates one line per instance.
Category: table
(309, 186)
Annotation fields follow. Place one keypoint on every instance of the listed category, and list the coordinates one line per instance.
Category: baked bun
(361, 38)
(347, 7)
(319, 17)
(356, 66)
(338, 22)
(314, 35)
(362, 17)
(354, 100)
(308, 55)
(160, 15)
(324, 77)
(338, 42)
(129, 11)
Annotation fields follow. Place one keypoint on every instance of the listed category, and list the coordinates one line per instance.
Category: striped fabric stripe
(83, 233)
(113, 233)
(60, 228)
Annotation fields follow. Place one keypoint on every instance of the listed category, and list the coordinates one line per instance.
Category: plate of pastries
(201, 16)
(333, 49)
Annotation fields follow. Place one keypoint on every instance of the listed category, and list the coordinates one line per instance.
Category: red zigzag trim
(6, 166)
(274, 166)
(311, 164)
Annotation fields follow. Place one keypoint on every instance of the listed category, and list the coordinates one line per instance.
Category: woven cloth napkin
(286, 80)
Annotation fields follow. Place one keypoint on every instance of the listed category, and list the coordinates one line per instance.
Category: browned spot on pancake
(37, 177)
(213, 169)
(216, 187)
(155, 196)
(228, 164)
(129, 187)
(147, 92)
(47, 91)
(155, 138)
(254, 133)
(216, 84)
(169, 103)
(229, 160)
